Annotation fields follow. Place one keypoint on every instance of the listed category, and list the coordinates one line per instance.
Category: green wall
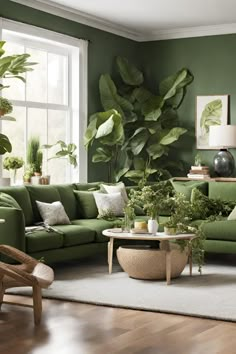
(212, 60)
(102, 50)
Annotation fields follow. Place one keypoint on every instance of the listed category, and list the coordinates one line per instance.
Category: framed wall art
(210, 110)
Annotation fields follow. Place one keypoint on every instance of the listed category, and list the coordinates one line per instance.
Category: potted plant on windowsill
(34, 159)
(13, 163)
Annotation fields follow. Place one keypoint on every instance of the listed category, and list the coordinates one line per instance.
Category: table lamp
(223, 137)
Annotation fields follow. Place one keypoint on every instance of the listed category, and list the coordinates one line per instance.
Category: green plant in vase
(13, 163)
(34, 156)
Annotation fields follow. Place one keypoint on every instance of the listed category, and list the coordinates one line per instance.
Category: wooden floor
(74, 328)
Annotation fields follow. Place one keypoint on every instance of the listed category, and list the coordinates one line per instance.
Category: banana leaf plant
(11, 67)
(148, 122)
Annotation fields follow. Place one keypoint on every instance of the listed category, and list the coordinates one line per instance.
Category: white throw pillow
(53, 213)
(112, 202)
(116, 188)
(232, 215)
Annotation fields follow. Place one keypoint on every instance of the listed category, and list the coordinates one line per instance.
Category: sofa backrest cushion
(86, 204)
(187, 187)
(68, 200)
(92, 186)
(222, 190)
(6, 200)
(21, 195)
(46, 194)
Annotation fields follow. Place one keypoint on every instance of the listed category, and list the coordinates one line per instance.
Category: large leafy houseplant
(11, 67)
(138, 127)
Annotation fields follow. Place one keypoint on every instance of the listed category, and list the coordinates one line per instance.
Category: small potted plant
(13, 163)
(5, 106)
(34, 159)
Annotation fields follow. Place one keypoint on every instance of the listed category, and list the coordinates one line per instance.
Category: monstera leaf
(5, 145)
(211, 114)
(128, 72)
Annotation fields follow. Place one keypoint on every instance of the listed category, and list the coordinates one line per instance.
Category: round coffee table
(160, 236)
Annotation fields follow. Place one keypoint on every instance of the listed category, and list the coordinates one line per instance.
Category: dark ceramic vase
(224, 163)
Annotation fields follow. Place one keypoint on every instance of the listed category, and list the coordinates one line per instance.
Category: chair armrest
(12, 232)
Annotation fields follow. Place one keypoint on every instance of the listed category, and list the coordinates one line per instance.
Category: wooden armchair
(29, 272)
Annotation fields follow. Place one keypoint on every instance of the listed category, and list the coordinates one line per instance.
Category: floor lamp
(223, 137)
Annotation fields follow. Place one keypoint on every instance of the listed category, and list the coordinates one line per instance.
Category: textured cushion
(76, 235)
(68, 199)
(222, 190)
(53, 213)
(109, 203)
(87, 206)
(232, 215)
(186, 187)
(7, 200)
(46, 194)
(115, 188)
(21, 195)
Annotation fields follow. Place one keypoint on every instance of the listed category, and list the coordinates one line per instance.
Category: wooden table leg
(110, 254)
(165, 246)
(190, 258)
(108, 251)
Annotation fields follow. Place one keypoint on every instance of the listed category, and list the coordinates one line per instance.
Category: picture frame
(210, 110)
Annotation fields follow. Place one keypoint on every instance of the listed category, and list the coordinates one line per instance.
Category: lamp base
(224, 163)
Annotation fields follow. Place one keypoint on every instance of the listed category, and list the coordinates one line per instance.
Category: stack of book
(199, 172)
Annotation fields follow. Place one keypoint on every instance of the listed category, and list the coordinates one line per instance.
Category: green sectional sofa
(83, 237)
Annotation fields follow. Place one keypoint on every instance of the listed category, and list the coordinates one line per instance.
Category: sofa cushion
(220, 230)
(76, 234)
(115, 188)
(6, 200)
(86, 204)
(222, 190)
(109, 203)
(43, 240)
(187, 187)
(92, 186)
(53, 213)
(232, 215)
(97, 225)
(46, 194)
(21, 195)
(68, 199)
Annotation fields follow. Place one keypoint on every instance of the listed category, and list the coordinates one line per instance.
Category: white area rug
(211, 295)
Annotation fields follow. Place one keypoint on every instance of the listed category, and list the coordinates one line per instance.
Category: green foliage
(34, 155)
(5, 106)
(136, 123)
(13, 163)
(11, 67)
(67, 150)
(5, 145)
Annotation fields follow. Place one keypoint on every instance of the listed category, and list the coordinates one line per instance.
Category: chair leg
(37, 303)
(2, 291)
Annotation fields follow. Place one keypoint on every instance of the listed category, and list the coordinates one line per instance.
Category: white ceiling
(149, 19)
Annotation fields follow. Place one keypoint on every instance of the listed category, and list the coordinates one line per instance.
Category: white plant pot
(152, 226)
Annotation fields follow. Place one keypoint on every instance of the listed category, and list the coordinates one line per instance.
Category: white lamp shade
(222, 136)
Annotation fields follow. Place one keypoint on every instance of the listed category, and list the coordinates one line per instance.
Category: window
(52, 103)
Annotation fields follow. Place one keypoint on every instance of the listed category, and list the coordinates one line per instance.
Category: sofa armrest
(12, 232)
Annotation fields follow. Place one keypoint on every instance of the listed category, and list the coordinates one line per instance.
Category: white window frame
(78, 54)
